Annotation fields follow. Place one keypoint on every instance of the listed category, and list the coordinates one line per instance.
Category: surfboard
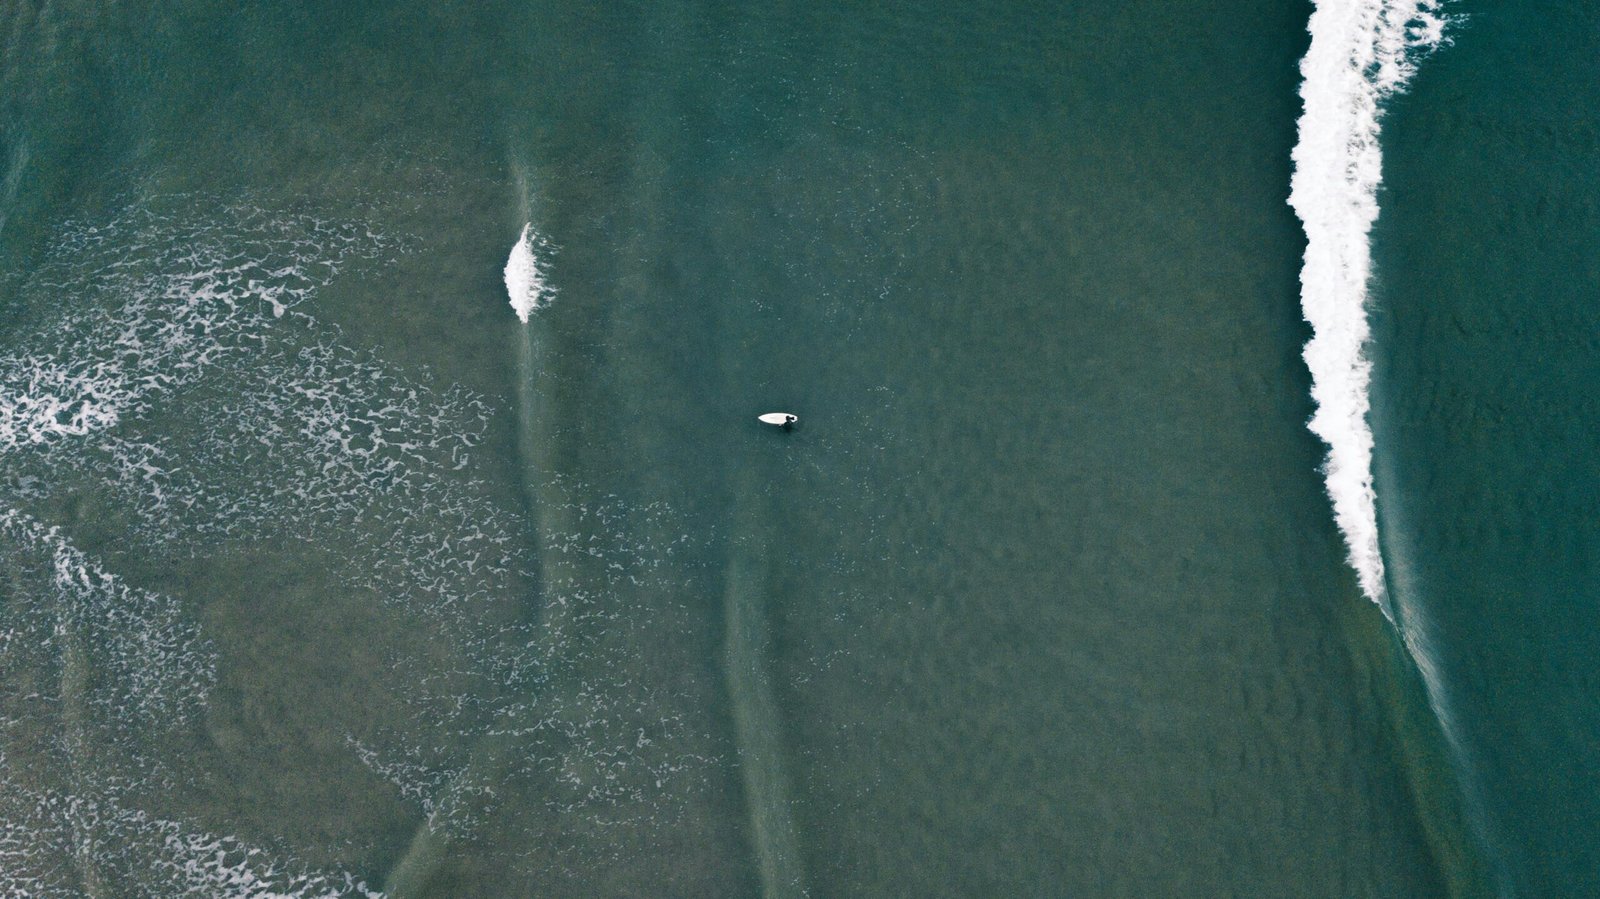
(778, 418)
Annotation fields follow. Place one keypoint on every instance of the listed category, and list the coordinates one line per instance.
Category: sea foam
(1362, 52)
(177, 373)
(525, 276)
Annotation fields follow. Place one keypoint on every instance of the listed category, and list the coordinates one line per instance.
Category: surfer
(783, 420)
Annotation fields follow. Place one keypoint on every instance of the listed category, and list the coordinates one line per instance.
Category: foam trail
(525, 277)
(1362, 52)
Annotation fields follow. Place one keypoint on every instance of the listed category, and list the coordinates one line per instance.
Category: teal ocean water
(383, 509)
(1485, 373)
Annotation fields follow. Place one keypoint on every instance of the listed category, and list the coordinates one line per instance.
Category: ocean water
(1485, 373)
(383, 509)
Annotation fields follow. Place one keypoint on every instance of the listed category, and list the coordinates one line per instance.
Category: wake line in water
(1362, 52)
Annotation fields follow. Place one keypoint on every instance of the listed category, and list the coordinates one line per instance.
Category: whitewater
(1362, 52)
(525, 276)
(192, 384)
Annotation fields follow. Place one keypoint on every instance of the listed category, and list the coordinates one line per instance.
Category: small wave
(1361, 53)
(525, 276)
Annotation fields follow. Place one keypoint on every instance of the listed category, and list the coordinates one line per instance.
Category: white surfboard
(781, 419)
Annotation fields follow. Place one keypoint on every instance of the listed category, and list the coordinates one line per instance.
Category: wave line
(1362, 52)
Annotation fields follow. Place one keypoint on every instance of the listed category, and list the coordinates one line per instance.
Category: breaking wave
(525, 275)
(1362, 52)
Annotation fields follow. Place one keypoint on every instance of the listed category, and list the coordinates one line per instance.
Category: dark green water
(1486, 404)
(325, 574)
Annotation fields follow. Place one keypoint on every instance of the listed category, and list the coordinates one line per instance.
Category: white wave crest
(1362, 52)
(525, 276)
